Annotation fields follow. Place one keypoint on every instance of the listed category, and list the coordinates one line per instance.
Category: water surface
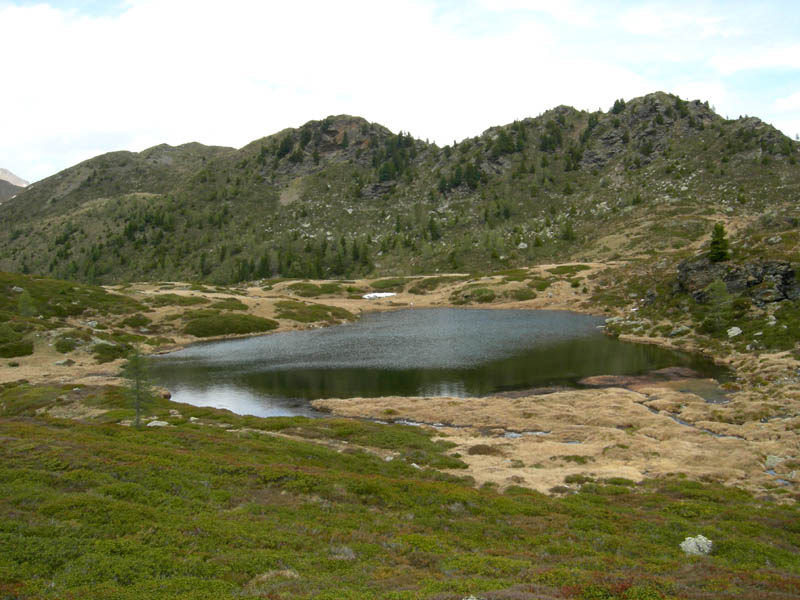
(422, 352)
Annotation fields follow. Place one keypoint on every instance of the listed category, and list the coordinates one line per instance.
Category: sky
(84, 77)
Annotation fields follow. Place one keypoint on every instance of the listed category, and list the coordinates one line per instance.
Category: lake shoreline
(764, 392)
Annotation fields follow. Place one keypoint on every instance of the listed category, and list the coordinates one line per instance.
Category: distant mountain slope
(6, 175)
(8, 190)
(341, 197)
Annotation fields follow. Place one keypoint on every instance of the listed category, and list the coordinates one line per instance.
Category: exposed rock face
(767, 281)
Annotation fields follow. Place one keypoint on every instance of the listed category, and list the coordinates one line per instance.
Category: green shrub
(311, 290)
(540, 284)
(423, 286)
(54, 298)
(17, 348)
(176, 300)
(104, 353)
(521, 294)
(510, 275)
(578, 459)
(484, 450)
(65, 344)
(229, 304)
(311, 313)
(482, 295)
(227, 324)
(390, 283)
(568, 269)
(137, 320)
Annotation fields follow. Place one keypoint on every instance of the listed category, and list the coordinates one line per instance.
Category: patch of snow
(374, 295)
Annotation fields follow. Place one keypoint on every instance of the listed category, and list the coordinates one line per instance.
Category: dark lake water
(423, 352)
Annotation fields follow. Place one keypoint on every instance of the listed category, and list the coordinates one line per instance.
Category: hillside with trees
(343, 197)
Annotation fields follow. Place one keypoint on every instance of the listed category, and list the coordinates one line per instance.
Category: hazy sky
(85, 77)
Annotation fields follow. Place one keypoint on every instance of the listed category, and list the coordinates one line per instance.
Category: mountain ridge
(341, 196)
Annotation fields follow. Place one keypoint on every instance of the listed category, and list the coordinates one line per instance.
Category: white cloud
(771, 57)
(227, 73)
(716, 93)
(788, 104)
(569, 11)
(663, 20)
(184, 70)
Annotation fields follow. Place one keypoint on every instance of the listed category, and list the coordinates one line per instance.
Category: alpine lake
(420, 352)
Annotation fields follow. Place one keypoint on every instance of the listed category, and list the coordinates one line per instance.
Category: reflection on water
(428, 352)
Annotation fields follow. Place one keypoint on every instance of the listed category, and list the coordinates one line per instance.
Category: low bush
(429, 284)
(484, 450)
(136, 321)
(521, 294)
(54, 298)
(312, 290)
(104, 353)
(176, 300)
(229, 304)
(311, 313)
(228, 324)
(540, 284)
(17, 348)
(390, 283)
(481, 295)
(568, 269)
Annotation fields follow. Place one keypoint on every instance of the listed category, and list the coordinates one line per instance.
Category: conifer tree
(718, 250)
(137, 377)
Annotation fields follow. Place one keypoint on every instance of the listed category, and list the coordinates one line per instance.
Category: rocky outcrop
(697, 546)
(763, 281)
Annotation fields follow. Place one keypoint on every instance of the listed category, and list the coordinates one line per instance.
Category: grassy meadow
(217, 505)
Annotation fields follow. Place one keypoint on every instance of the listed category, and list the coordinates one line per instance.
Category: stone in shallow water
(773, 461)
